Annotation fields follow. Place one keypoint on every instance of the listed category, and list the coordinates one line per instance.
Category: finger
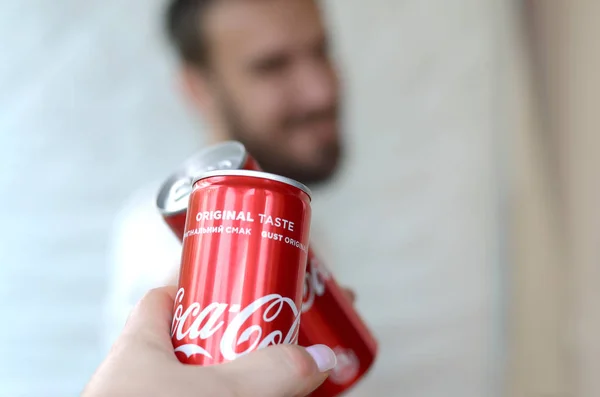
(150, 319)
(350, 294)
(282, 370)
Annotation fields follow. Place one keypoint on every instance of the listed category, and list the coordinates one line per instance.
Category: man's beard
(270, 156)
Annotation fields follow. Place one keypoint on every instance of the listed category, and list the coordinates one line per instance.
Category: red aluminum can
(329, 318)
(243, 266)
(173, 196)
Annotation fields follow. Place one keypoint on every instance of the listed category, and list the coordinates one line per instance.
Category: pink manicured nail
(323, 356)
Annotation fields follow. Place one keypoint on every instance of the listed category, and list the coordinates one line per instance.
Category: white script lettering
(205, 322)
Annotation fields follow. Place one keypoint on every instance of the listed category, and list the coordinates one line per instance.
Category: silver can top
(255, 174)
(174, 193)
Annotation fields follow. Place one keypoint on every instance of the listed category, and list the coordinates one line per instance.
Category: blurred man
(258, 72)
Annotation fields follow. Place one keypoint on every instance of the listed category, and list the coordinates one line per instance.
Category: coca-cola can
(174, 193)
(243, 266)
(329, 318)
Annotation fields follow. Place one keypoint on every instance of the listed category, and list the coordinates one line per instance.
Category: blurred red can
(243, 266)
(328, 317)
(174, 193)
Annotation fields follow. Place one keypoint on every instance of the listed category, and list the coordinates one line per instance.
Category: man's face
(273, 85)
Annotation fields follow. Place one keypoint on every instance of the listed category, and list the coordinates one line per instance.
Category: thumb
(278, 371)
(150, 320)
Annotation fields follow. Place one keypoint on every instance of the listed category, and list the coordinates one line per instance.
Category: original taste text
(263, 219)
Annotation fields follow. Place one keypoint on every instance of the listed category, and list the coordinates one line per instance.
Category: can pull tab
(182, 189)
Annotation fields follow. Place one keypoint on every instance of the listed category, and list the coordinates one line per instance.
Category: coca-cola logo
(206, 321)
(314, 283)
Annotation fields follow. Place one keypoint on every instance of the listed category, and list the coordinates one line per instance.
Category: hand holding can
(142, 363)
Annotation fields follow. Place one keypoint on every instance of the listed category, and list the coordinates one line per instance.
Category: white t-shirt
(144, 254)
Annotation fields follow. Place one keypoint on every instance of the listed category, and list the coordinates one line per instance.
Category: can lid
(174, 193)
(256, 174)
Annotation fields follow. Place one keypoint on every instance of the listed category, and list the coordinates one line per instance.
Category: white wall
(88, 114)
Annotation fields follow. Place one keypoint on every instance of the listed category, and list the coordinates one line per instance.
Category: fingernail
(323, 356)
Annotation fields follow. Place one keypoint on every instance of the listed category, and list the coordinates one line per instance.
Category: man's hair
(183, 23)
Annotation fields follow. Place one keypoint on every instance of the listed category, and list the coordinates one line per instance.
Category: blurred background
(464, 217)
